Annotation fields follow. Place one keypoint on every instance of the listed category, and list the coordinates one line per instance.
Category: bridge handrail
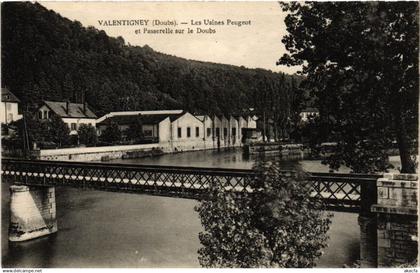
(125, 166)
(315, 176)
(344, 178)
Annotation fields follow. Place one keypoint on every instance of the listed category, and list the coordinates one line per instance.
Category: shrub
(112, 134)
(278, 225)
(87, 135)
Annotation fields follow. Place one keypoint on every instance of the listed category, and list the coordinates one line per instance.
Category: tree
(360, 60)
(57, 131)
(111, 134)
(278, 225)
(134, 131)
(87, 135)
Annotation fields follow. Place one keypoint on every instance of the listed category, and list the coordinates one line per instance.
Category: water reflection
(105, 229)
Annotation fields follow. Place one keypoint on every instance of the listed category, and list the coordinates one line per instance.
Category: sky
(255, 45)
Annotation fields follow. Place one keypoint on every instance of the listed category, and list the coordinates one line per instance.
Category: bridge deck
(340, 192)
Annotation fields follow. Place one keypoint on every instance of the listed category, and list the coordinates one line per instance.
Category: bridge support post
(397, 219)
(32, 212)
(367, 223)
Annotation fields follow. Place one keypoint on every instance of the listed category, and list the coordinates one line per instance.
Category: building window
(197, 132)
(225, 132)
(179, 132)
(40, 115)
(73, 127)
(147, 133)
(233, 131)
(217, 132)
(45, 114)
(188, 132)
(208, 132)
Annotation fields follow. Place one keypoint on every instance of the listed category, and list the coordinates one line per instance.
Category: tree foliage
(134, 132)
(278, 225)
(31, 130)
(57, 131)
(46, 56)
(360, 60)
(112, 134)
(87, 135)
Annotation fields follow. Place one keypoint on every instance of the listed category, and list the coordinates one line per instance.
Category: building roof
(133, 113)
(128, 119)
(7, 96)
(152, 119)
(120, 120)
(75, 109)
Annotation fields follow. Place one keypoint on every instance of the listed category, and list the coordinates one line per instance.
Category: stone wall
(97, 153)
(128, 151)
(396, 211)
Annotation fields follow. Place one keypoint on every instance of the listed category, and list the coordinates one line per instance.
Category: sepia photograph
(199, 135)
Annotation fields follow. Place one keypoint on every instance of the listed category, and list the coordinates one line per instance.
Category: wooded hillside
(46, 56)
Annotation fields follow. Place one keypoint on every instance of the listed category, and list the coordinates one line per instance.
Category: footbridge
(386, 204)
(340, 192)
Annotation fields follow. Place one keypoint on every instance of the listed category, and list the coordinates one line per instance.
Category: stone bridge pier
(388, 228)
(32, 212)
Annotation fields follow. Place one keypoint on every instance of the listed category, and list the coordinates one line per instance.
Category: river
(105, 229)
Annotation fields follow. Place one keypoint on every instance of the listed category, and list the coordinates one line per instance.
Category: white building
(234, 139)
(251, 121)
(180, 130)
(73, 114)
(187, 132)
(207, 126)
(309, 112)
(9, 107)
(242, 123)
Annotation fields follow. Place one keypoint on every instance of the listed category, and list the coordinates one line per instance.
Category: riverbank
(106, 153)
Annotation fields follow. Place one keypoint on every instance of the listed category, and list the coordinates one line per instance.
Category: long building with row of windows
(178, 129)
(181, 129)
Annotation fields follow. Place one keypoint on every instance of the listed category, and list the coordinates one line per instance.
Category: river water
(105, 229)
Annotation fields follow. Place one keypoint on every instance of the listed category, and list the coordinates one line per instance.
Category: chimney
(84, 102)
(67, 106)
(84, 107)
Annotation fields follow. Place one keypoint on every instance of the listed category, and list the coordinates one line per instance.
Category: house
(309, 112)
(242, 123)
(9, 104)
(73, 114)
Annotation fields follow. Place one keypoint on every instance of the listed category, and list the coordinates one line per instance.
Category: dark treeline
(48, 57)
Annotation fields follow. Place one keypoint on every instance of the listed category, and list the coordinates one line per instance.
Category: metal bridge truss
(340, 192)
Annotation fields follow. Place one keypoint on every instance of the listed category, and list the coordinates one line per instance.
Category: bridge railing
(343, 192)
(163, 180)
